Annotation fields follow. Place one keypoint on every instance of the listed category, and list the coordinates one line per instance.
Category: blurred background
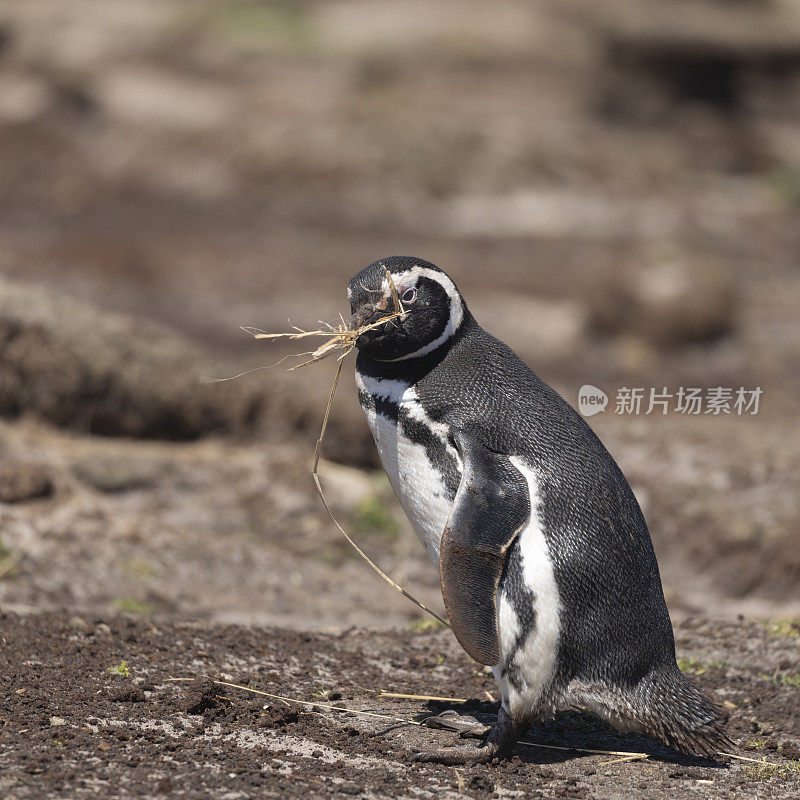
(615, 187)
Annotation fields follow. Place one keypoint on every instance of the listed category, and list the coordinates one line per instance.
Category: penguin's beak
(366, 315)
(362, 315)
(369, 313)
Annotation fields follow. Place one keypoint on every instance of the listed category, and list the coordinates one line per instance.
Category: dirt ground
(88, 710)
(615, 211)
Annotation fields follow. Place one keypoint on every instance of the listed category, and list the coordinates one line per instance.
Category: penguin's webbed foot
(502, 738)
(454, 756)
(465, 727)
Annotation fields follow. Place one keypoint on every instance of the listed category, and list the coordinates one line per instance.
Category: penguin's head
(435, 308)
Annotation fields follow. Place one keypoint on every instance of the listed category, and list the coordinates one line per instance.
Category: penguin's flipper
(490, 509)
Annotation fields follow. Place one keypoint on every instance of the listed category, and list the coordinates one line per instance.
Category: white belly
(418, 484)
(535, 660)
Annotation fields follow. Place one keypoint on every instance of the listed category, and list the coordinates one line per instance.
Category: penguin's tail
(667, 706)
(680, 715)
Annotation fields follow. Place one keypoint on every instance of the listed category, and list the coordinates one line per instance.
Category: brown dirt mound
(110, 374)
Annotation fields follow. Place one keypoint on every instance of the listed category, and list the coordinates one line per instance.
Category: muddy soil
(88, 710)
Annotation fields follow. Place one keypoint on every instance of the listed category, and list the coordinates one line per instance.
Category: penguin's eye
(409, 296)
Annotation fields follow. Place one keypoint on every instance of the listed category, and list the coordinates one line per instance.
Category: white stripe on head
(408, 279)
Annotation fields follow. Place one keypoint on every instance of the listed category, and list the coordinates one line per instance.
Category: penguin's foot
(500, 744)
(465, 727)
(459, 755)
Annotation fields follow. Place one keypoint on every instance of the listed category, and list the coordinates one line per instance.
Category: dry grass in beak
(339, 338)
(343, 338)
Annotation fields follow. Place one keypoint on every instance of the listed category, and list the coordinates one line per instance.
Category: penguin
(547, 569)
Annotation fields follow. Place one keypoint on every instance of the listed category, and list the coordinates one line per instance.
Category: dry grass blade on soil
(400, 696)
(310, 703)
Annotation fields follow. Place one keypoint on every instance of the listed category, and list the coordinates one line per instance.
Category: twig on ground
(745, 758)
(634, 757)
(301, 702)
(628, 756)
(400, 696)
